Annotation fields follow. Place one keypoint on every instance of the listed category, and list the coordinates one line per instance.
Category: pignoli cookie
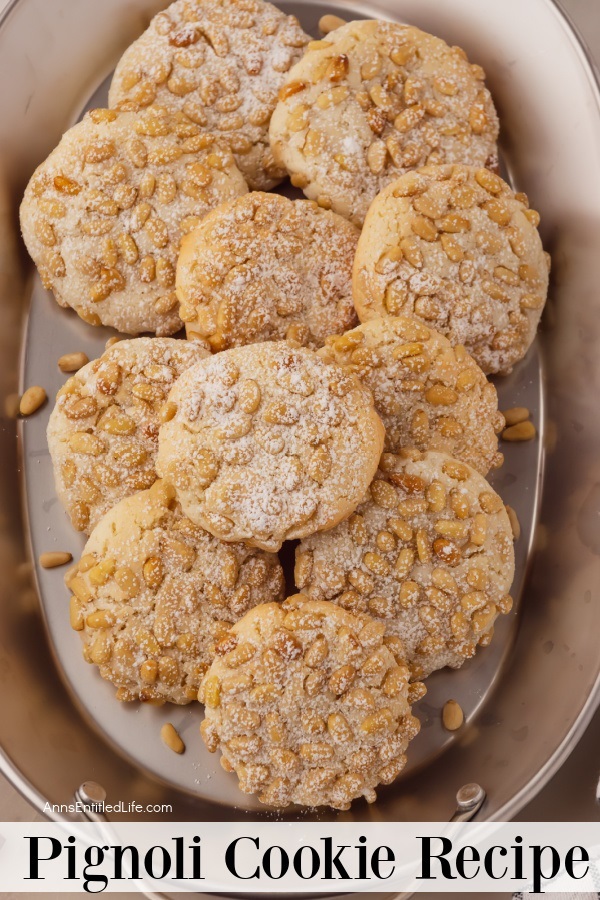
(268, 442)
(428, 394)
(103, 216)
(309, 704)
(221, 62)
(263, 267)
(456, 247)
(429, 553)
(372, 100)
(103, 430)
(153, 594)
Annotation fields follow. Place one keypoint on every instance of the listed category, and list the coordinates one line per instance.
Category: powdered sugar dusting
(459, 250)
(373, 100)
(168, 594)
(429, 395)
(103, 430)
(221, 62)
(265, 268)
(269, 443)
(429, 552)
(104, 215)
(309, 705)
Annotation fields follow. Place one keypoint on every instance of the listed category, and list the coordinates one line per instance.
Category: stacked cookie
(190, 462)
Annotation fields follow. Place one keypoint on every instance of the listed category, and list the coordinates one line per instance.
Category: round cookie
(263, 267)
(429, 552)
(103, 216)
(428, 394)
(153, 594)
(103, 430)
(308, 704)
(372, 100)
(221, 62)
(267, 442)
(454, 246)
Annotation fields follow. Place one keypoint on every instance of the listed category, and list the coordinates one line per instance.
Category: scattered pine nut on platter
(522, 431)
(54, 558)
(515, 415)
(33, 398)
(330, 23)
(72, 362)
(452, 715)
(514, 522)
(171, 738)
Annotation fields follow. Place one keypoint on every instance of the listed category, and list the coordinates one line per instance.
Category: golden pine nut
(515, 415)
(171, 738)
(32, 399)
(52, 559)
(514, 522)
(452, 715)
(523, 431)
(329, 23)
(72, 362)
